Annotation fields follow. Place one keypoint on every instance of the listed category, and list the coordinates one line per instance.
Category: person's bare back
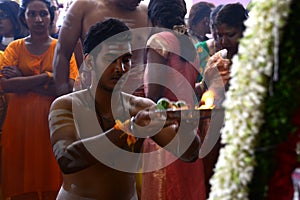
(82, 15)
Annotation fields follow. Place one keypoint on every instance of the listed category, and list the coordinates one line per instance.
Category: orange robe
(28, 163)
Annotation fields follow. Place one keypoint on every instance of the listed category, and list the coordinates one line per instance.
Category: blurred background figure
(208, 47)
(10, 26)
(62, 14)
(55, 26)
(198, 21)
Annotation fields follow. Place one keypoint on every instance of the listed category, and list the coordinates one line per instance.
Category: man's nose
(119, 65)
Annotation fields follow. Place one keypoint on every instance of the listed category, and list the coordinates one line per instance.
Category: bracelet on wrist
(49, 74)
(50, 77)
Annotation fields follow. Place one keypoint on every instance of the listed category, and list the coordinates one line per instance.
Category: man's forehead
(117, 47)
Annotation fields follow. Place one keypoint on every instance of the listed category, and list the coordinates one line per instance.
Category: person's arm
(49, 89)
(69, 34)
(156, 73)
(186, 146)
(12, 79)
(175, 135)
(23, 83)
(69, 149)
(217, 68)
(199, 89)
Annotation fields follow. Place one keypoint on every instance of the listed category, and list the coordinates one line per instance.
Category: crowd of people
(81, 118)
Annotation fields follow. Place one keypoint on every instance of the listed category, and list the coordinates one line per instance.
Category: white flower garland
(244, 101)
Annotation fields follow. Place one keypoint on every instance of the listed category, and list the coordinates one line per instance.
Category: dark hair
(212, 20)
(24, 5)
(199, 11)
(104, 30)
(168, 13)
(12, 9)
(214, 13)
(232, 15)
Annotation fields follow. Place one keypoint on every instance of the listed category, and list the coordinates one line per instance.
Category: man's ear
(89, 62)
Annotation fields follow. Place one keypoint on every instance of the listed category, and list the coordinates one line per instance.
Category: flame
(207, 100)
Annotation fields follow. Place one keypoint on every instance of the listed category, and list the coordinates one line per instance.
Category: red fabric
(179, 180)
(281, 186)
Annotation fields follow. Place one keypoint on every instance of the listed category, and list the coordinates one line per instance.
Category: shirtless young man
(95, 156)
(81, 15)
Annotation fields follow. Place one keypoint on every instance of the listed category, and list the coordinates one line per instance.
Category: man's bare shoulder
(62, 102)
(66, 101)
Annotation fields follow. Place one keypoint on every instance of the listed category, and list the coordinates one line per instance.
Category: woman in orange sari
(29, 169)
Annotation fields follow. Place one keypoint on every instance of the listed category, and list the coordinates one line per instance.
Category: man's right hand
(149, 122)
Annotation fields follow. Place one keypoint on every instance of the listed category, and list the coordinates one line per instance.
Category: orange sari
(1, 57)
(29, 168)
